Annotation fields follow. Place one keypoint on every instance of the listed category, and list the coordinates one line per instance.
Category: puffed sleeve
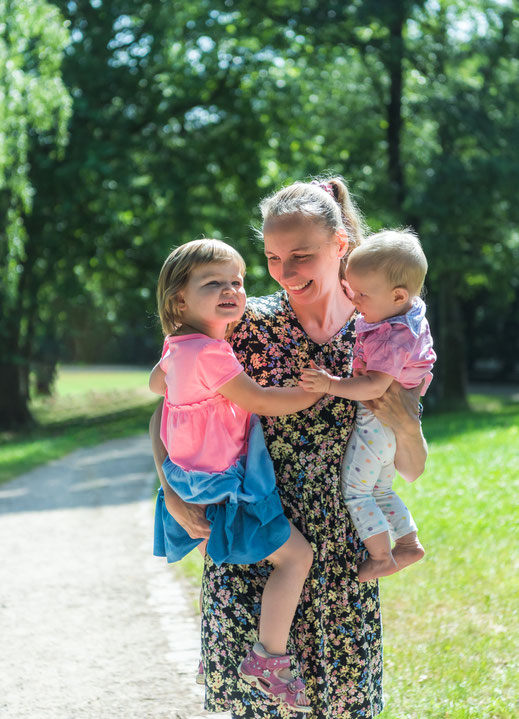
(388, 349)
(166, 352)
(217, 364)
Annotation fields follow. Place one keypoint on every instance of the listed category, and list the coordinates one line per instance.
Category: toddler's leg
(381, 561)
(407, 550)
(366, 453)
(292, 562)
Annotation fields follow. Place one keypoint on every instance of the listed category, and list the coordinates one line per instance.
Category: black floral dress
(336, 635)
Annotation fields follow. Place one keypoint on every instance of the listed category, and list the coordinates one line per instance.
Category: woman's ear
(342, 240)
(400, 296)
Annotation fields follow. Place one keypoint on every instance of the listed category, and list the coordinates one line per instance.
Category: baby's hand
(315, 379)
(360, 371)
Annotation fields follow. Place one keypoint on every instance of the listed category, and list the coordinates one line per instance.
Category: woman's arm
(190, 516)
(398, 408)
(268, 401)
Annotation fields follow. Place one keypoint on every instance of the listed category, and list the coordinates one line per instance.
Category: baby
(385, 275)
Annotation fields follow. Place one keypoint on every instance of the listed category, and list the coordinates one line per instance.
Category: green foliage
(33, 102)
(34, 108)
(184, 116)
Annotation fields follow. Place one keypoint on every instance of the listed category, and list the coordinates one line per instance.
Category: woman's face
(304, 257)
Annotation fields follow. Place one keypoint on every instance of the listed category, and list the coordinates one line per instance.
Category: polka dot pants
(368, 470)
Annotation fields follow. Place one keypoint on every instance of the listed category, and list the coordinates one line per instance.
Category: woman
(308, 230)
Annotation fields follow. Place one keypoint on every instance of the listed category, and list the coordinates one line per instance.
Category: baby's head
(385, 273)
(184, 263)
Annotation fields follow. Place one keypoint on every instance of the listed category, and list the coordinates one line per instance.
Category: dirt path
(91, 624)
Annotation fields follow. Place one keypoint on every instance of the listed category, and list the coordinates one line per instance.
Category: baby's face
(372, 295)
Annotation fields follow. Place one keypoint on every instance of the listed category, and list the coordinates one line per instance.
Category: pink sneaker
(262, 672)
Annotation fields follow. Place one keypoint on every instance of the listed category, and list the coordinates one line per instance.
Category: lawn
(451, 621)
(90, 405)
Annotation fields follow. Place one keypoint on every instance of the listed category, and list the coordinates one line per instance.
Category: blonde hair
(397, 253)
(326, 201)
(176, 271)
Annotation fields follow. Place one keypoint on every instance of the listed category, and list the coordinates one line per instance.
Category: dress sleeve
(163, 364)
(217, 364)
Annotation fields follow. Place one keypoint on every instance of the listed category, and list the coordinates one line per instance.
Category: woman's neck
(322, 320)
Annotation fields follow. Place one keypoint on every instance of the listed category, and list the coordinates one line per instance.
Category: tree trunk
(14, 410)
(394, 107)
(451, 368)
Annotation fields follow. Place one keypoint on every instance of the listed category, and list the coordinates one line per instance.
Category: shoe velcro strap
(278, 662)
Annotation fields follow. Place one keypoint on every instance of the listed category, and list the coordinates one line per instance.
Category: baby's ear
(400, 296)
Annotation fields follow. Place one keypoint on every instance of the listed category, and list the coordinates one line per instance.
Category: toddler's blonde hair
(397, 253)
(176, 271)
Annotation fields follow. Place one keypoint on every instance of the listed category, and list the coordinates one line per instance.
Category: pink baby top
(201, 429)
(399, 346)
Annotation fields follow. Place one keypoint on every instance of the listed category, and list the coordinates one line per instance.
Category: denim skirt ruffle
(244, 508)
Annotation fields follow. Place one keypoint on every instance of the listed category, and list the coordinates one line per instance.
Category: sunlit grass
(89, 406)
(451, 622)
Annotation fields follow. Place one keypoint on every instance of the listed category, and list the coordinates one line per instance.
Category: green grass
(90, 405)
(451, 622)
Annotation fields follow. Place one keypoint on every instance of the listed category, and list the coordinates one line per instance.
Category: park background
(127, 128)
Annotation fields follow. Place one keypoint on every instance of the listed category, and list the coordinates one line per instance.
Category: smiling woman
(336, 633)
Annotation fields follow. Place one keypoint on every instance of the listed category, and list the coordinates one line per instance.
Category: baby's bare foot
(407, 550)
(374, 568)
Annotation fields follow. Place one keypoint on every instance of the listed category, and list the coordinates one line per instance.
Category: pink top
(201, 429)
(399, 346)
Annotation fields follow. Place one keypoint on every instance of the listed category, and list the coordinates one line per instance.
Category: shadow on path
(89, 477)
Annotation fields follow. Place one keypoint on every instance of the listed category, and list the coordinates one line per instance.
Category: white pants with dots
(368, 469)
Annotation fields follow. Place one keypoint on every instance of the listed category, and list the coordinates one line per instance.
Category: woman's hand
(190, 516)
(398, 408)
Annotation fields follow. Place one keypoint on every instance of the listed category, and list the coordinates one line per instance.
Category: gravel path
(91, 624)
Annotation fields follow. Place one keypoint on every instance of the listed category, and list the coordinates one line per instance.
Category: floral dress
(336, 635)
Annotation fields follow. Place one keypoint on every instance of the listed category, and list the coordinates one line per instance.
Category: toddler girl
(217, 454)
(385, 275)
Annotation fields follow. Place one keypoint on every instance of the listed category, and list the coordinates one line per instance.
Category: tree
(33, 103)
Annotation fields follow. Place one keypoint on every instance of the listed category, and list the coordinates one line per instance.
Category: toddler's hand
(360, 371)
(315, 379)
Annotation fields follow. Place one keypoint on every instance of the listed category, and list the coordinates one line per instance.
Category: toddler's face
(214, 296)
(372, 295)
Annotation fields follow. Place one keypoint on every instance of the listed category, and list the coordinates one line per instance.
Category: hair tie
(326, 187)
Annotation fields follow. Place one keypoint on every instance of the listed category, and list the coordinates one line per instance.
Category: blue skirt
(244, 508)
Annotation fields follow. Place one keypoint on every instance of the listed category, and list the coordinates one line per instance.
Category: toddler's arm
(367, 386)
(268, 401)
(190, 516)
(157, 383)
